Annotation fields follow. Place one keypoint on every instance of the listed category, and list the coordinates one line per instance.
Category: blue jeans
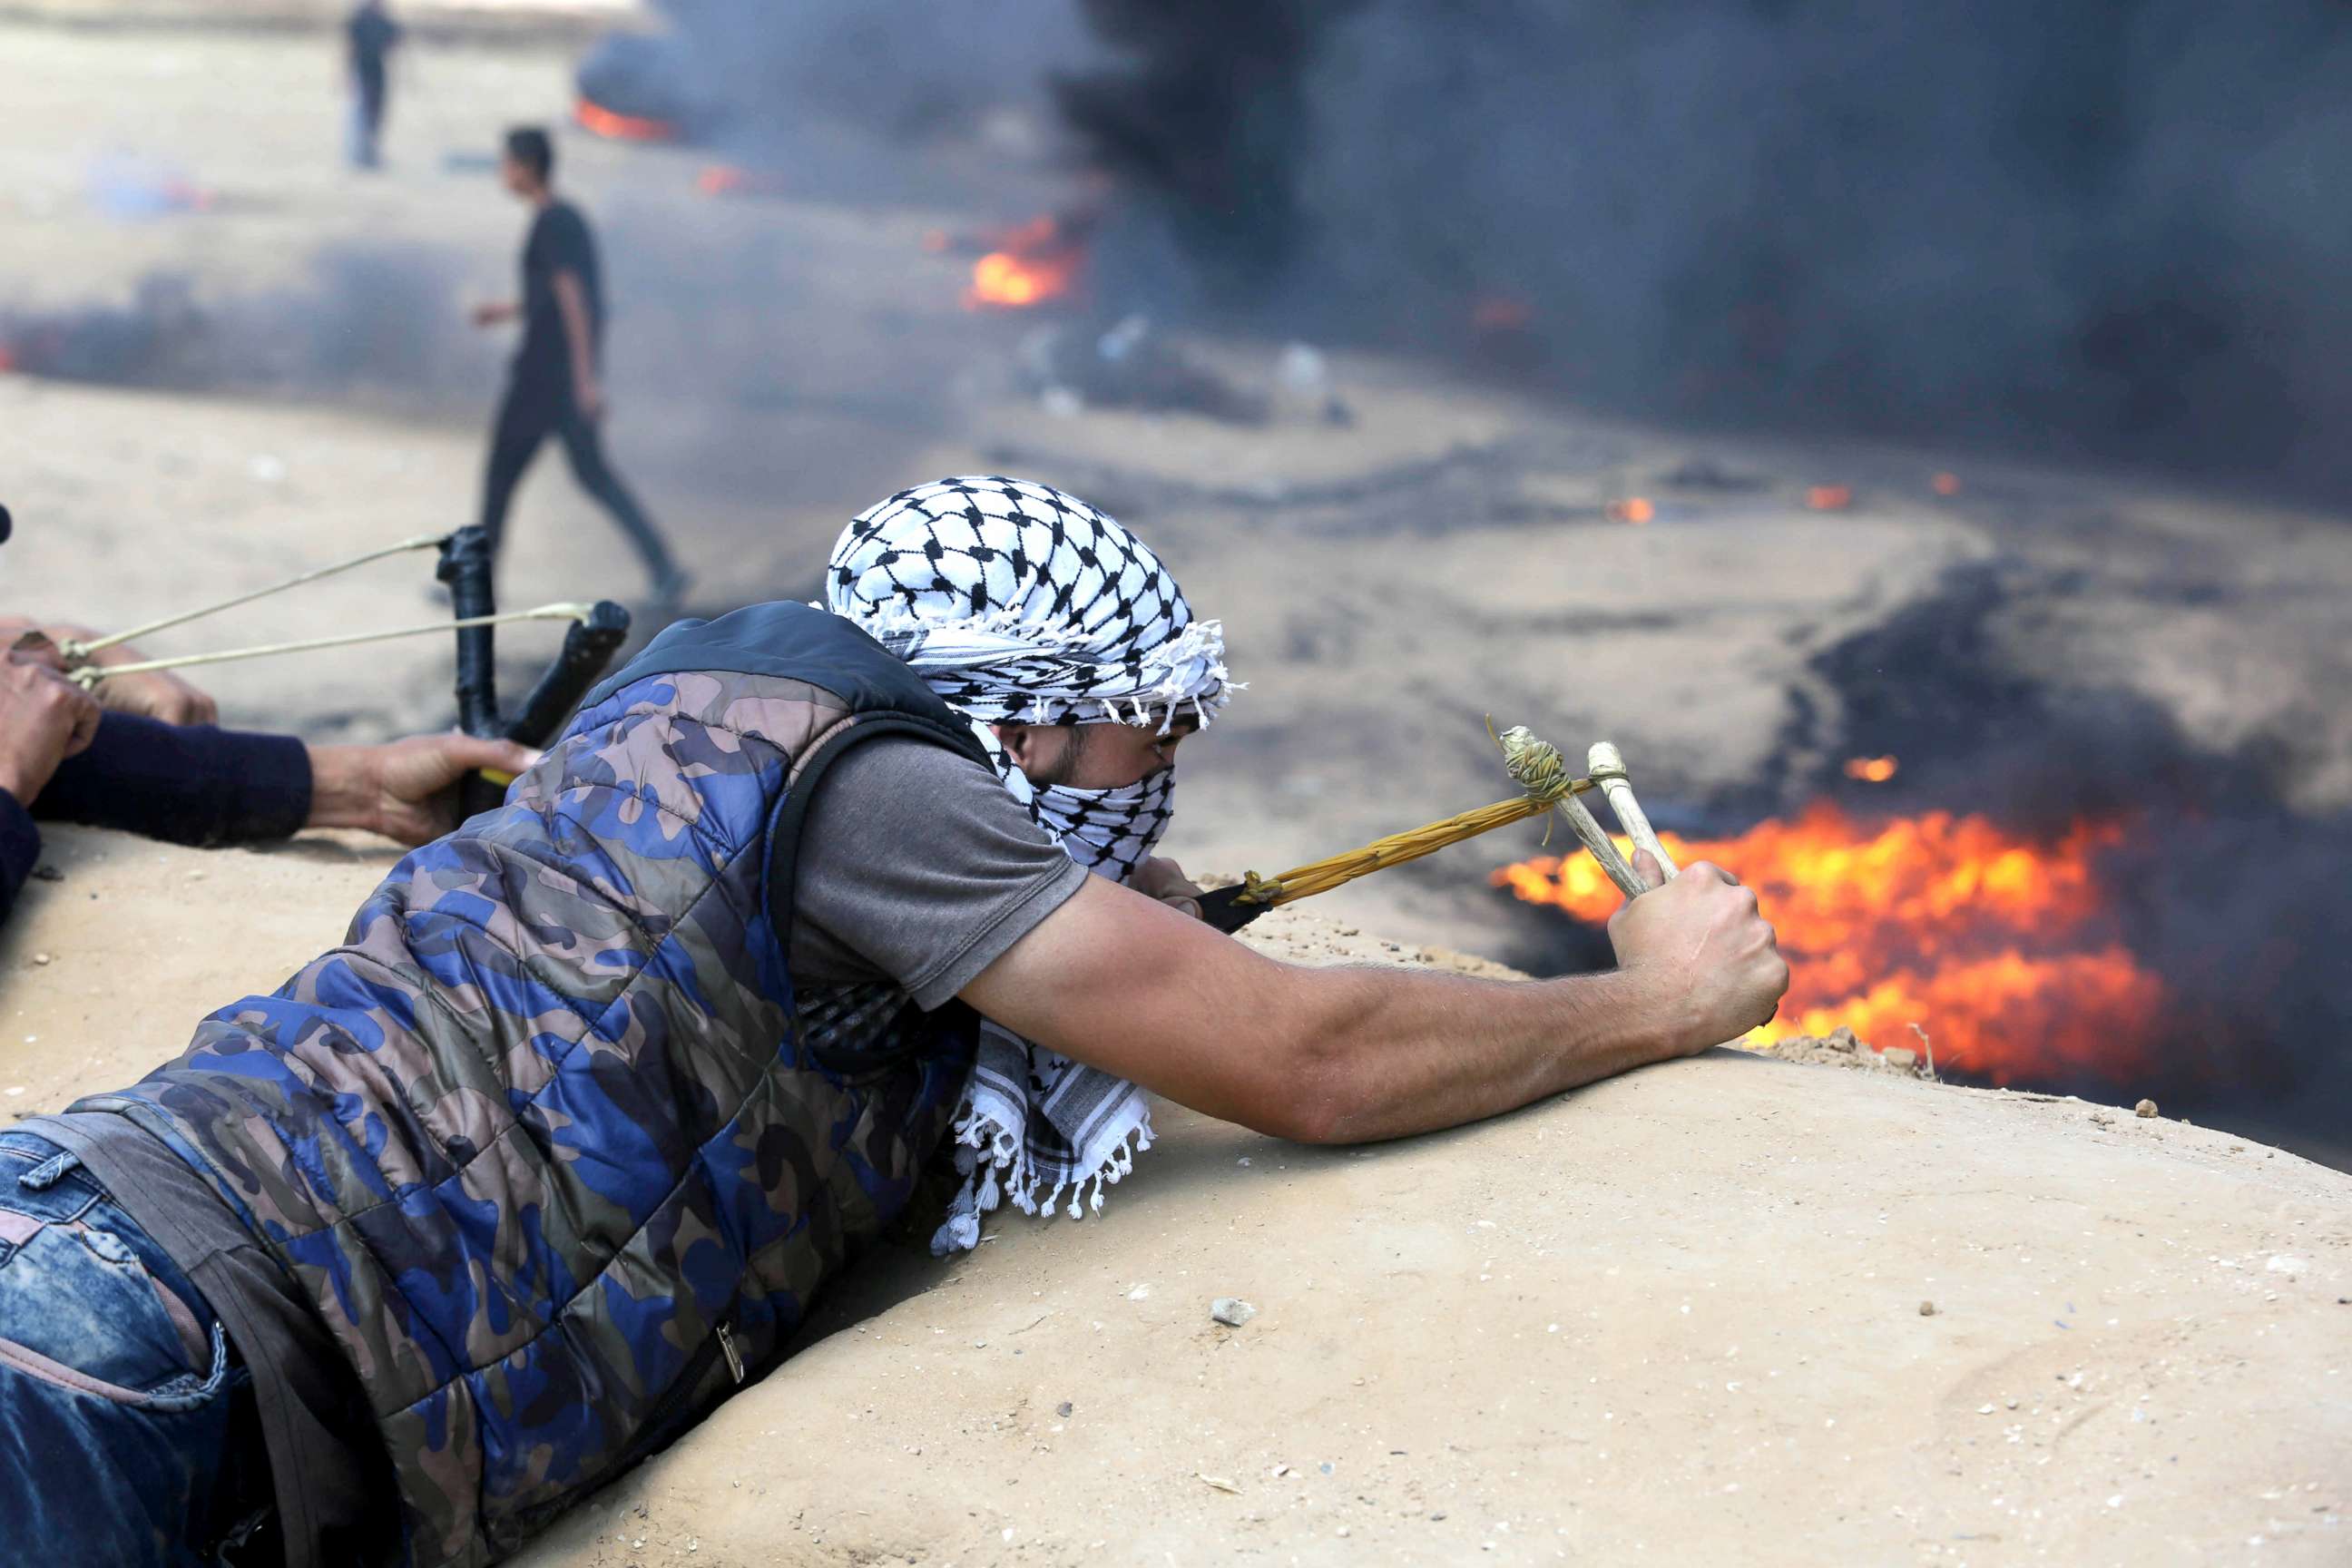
(127, 1433)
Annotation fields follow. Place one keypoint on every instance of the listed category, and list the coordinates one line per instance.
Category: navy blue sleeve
(188, 783)
(20, 847)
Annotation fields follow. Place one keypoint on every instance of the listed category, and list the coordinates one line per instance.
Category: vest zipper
(734, 1357)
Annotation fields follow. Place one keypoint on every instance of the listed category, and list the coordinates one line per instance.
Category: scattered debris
(1221, 1483)
(1303, 389)
(1707, 474)
(2145, 1108)
(1927, 1309)
(41, 958)
(1064, 1409)
(1070, 367)
(1231, 1311)
(45, 873)
(127, 188)
(1841, 1047)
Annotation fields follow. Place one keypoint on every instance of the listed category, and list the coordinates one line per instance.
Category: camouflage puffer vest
(549, 1140)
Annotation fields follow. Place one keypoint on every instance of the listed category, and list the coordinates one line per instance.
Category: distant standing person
(372, 35)
(554, 387)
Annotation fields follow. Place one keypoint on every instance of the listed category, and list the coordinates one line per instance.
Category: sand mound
(1681, 1316)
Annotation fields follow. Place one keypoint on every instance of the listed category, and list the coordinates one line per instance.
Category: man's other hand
(155, 694)
(402, 789)
(1698, 943)
(1165, 881)
(43, 720)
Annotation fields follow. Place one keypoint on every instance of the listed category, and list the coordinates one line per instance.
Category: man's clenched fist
(43, 720)
(1709, 961)
(1165, 881)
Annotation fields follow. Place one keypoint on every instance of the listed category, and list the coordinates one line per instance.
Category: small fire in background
(611, 124)
(1872, 769)
(1946, 484)
(1830, 498)
(734, 180)
(1500, 313)
(1503, 334)
(1034, 264)
(2003, 948)
(1635, 509)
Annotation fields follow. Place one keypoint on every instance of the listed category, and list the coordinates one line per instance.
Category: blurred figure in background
(372, 35)
(555, 388)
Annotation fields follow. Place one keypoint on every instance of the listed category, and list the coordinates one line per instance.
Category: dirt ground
(1677, 1317)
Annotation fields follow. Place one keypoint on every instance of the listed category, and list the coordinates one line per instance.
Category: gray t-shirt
(915, 872)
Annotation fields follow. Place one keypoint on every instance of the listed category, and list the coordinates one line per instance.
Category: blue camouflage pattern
(549, 1140)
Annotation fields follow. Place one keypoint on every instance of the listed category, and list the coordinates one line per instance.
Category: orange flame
(1830, 498)
(1031, 264)
(603, 121)
(1636, 509)
(1871, 770)
(1947, 484)
(2002, 948)
(1500, 313)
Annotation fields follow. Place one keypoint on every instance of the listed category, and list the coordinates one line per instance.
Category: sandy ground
(1676, 1317)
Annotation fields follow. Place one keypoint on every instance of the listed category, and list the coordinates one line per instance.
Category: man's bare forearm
(1385, 1053)
(1122, 982)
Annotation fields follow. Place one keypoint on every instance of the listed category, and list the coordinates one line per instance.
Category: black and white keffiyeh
(1016, 602)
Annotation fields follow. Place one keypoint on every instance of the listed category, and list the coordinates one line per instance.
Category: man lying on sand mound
(552, 1154)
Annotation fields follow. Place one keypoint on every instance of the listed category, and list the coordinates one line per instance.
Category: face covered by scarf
(1017, 603)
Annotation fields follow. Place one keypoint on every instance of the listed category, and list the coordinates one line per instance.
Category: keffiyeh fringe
(992, 1141)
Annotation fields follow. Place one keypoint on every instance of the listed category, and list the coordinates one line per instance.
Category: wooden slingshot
(1540, 771)
(593, 635)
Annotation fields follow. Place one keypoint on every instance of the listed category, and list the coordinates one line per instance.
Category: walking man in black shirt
(372, 34)
(554, 387)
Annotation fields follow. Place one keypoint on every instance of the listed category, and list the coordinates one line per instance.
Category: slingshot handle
(1222, 909)
(464, 566)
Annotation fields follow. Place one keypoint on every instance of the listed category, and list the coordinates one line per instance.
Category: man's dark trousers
(535, 408)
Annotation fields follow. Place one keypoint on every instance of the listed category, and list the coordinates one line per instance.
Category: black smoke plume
(2111, 228)
(375, 322)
